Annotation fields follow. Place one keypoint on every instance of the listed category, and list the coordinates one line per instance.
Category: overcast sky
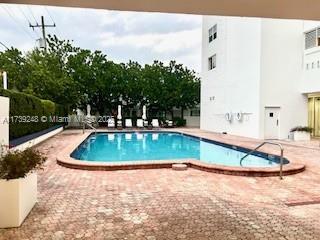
(138, 36)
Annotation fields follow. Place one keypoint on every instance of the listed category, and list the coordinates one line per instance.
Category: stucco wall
(311, 83)
(281, 73)
(259, 64)
(234, 83)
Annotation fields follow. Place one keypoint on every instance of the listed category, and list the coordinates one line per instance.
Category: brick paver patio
(167, 204)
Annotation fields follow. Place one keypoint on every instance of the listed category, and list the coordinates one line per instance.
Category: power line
(49, 14)
(51, 17)
(4, 45)
(25, 16)
(15, 21)
(32, 14)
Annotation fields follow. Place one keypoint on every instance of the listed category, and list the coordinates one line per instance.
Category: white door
(271, 122)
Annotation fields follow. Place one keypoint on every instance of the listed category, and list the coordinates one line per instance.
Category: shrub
(179, 122)
(18, 164)
(301, 129)
(22, 104)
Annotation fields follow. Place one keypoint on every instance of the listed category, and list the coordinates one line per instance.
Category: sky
(122, 36)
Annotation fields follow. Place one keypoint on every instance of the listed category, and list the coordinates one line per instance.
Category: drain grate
(302, 203)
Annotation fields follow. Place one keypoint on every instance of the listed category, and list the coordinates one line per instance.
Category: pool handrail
(271, 143)
(88, 122)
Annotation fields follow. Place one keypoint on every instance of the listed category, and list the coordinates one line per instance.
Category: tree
(170, 86)
(76, 77)
(13, 62)
(187, 89)
(48, 78)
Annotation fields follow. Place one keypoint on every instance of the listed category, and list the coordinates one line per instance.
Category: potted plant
(301, 133)
(18, 185)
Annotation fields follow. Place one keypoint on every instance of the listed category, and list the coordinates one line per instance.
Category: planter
(17, 198)
(301, 136)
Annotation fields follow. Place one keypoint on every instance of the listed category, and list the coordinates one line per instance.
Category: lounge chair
(119, 124)
(155, 123)
(139, 123)
(169, 123)
(111, 123)
(128, 123)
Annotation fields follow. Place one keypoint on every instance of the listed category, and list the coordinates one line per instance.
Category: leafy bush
(22, 104)
(179, 122)
(301, 129)
(18, 164)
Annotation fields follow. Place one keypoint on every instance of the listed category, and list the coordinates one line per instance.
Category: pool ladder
(88, 122)
(271, 143)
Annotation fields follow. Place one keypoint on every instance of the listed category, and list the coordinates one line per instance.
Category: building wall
(259, 64)
(234, 83)
(311, 63)
(191, 121)
(281, 73)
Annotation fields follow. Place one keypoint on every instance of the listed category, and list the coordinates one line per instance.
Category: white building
(257, 70)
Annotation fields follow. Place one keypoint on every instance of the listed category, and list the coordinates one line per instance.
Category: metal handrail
(271, 143)
(89, 124)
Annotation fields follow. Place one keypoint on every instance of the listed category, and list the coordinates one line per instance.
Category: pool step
(179, 167)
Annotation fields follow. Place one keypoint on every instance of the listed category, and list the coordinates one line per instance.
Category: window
(212, 33)
(312, 38)
(312, 65)
(212, 62)
(195, 112)
(307, 66)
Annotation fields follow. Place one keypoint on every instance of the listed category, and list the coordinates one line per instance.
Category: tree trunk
(182, 113)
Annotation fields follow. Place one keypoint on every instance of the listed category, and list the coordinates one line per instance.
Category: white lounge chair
(119, 124)
(169, 123)
(155, 123)
(140, 123)
(111, 123)
(128, 123)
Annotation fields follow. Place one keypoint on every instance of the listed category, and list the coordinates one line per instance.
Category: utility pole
(43, 27)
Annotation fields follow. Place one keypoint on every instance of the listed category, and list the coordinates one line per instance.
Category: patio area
(167, 204)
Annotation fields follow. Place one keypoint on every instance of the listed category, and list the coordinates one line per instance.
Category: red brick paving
(167, 204)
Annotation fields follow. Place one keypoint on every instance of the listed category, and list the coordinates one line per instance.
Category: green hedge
(179, 122)
(22, 104)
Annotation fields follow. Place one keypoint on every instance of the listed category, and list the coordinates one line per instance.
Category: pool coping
(64, 159)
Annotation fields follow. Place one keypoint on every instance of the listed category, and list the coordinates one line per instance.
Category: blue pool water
(117, 147)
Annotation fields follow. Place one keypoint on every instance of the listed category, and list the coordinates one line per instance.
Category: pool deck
(166, 204)
(64, 159)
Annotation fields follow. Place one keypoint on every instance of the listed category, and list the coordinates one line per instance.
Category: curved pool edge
(64, 159)
(288, 169)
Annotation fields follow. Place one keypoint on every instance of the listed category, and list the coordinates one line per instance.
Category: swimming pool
(144, 146)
